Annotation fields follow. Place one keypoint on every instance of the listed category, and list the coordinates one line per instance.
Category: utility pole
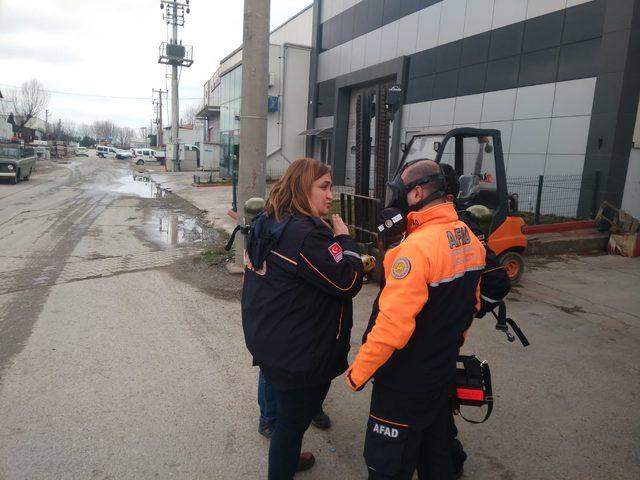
(46, 122)
(176, 55)
(159, 116)
(253, 110)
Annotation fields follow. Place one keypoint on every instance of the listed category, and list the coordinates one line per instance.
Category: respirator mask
(394, 215)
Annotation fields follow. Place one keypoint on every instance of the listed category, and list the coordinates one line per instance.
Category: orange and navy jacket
(297, 310)
(430, 295)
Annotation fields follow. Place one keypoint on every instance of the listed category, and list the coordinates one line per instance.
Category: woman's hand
(339, 227)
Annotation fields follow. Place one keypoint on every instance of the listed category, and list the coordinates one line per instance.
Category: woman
(300, 278)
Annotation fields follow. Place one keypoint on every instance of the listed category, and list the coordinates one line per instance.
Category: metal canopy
(317, 132)
(208, 111)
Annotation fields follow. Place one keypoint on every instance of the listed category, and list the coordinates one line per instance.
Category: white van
(106, 152)
(145, 155)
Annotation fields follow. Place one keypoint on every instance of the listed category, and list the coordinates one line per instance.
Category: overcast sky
(110, 48)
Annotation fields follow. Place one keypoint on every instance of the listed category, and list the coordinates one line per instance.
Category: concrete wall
(296, 30)
(190, 136)
(210, 156)
(631, 195)
(284, 143)
(6, 130)
(289, 60)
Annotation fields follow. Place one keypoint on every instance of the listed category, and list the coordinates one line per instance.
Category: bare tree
(85, 130)
(124, 135)
(57, 130)
(189, 115)
(104, 129)
(29, 101)
(64, 130)
(70, 129)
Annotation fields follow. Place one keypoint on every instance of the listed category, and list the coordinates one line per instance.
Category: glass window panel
(234, 79)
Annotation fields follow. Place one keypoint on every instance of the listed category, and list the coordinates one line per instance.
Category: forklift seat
(469, 189)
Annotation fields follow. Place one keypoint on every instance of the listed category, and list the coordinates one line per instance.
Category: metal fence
(540, 199)
(552, 198)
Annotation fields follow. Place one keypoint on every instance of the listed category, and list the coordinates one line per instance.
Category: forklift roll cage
(501, 207)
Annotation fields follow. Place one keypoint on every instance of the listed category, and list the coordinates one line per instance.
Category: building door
(369, 140)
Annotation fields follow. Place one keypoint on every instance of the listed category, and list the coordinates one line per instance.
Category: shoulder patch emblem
(336, 252)
(401, 268)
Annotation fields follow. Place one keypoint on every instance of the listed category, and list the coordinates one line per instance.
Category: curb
(559, 227)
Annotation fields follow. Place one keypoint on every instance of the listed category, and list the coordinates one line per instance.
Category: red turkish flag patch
(336, 252)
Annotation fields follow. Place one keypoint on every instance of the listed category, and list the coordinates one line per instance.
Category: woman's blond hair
(291, 193)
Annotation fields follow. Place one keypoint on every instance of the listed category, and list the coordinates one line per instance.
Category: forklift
(476, 155)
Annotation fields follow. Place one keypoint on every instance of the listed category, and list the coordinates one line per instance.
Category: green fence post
(536, 217)
(234, 187)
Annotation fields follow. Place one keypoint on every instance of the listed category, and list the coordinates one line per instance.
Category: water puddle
(165, 226)
(139, 185)
(170, 229)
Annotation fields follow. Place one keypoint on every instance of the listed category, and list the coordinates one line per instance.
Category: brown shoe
(306, 461)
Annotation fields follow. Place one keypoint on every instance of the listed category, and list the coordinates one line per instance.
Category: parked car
(16, 162)
(145, 155)
(82, 152)
(123, 154)
(106, 152)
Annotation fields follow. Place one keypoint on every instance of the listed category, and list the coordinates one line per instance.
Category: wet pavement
(122, 354)
(166, 224)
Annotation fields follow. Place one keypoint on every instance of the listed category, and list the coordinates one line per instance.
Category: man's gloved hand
(368, 263)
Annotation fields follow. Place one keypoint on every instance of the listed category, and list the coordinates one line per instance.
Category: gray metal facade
(559, 78)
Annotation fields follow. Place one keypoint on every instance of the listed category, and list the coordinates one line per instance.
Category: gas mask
(394, 216)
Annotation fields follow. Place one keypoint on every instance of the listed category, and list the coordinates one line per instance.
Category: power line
(76, 94)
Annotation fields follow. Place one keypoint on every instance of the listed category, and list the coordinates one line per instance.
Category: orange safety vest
(430, 295)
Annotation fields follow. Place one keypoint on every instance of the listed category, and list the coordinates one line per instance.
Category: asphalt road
(122, 357)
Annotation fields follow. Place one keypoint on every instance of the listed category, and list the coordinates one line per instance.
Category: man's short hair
(451, 177)
(424, 167)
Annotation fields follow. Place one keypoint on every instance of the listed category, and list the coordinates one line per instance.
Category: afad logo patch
(336, 252)
(401, 268)
(386, 431)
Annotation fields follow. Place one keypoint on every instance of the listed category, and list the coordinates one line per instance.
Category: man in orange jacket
(428, 301)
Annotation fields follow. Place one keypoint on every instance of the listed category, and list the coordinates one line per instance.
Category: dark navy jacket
(297, 312)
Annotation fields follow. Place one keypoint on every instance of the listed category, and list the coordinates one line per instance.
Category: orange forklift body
(476, 154)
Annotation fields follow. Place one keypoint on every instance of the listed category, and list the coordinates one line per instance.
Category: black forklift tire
(140, 162)
(513, 264)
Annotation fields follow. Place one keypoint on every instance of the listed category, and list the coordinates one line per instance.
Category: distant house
(6, 130)
(188, 133)
(34, 129)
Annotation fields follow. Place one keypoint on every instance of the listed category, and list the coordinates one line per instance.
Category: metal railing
(361, 214)
(552, 198)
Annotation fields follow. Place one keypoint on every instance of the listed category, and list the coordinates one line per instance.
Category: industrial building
(559, 79)
(289, 61)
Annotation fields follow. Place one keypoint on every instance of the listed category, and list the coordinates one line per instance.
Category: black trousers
(409, 431)
(295, 409)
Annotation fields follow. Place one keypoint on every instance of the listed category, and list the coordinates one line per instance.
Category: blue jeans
(266, 401)
(296, 408)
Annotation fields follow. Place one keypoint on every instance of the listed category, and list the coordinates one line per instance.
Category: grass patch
(214, 254)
